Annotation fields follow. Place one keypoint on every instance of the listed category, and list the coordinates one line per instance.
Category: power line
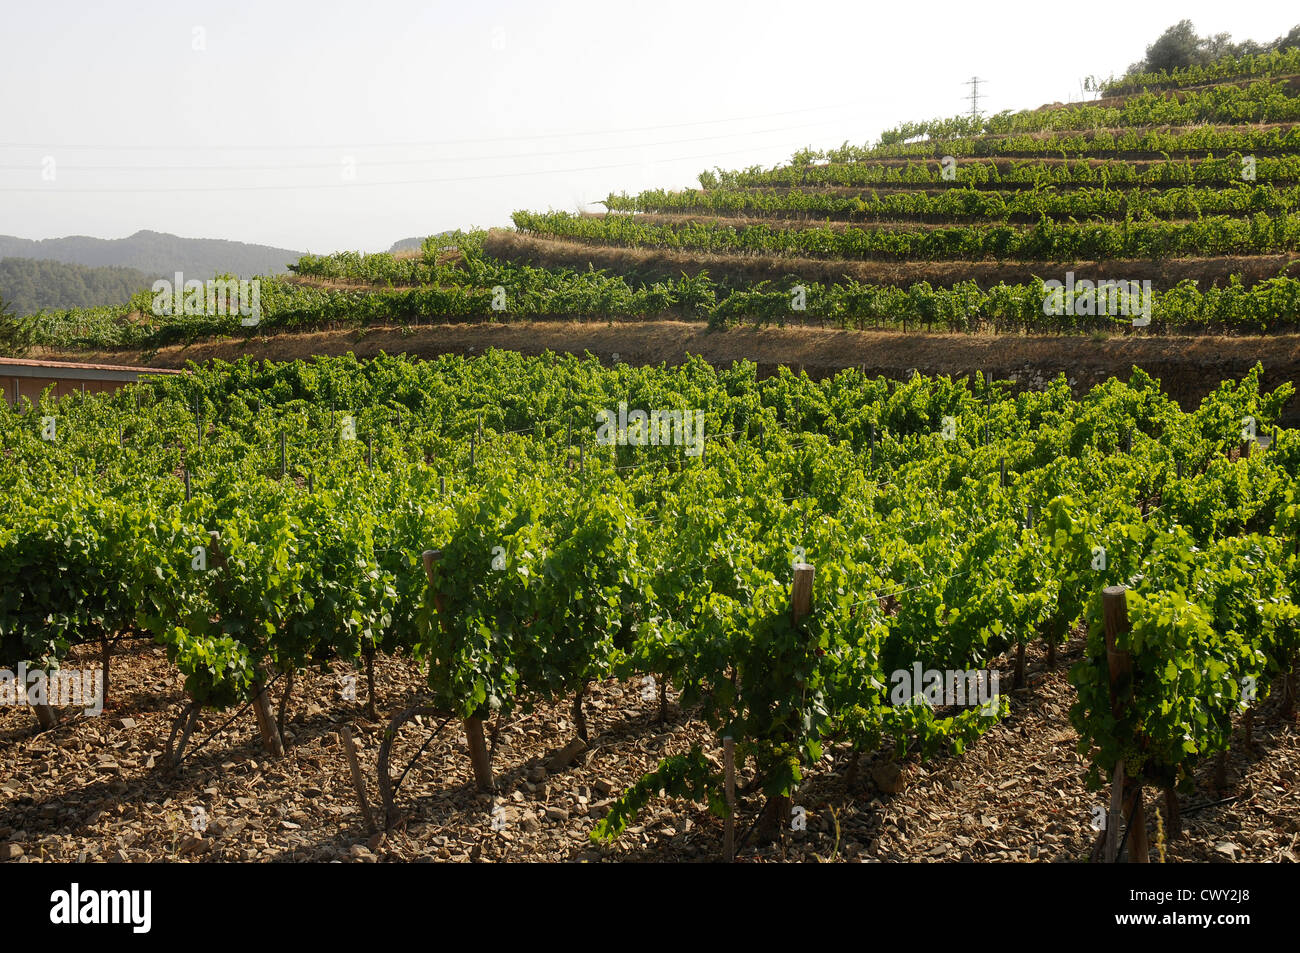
(402, 162)
(425, 143)
(353, 185)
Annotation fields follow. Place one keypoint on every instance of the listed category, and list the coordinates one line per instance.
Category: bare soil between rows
(1188, 366)
(97, 789)
(646, 263)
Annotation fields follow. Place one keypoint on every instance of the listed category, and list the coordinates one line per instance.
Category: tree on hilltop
(1180, 47)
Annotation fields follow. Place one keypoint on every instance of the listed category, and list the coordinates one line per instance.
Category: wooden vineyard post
(478, 753)
(801, 592)
(1118, 662)
(1127, 791)
(284, 455)
(729, 834)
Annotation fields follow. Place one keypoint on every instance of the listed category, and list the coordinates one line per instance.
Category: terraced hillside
(956, 223)
(1182, 191)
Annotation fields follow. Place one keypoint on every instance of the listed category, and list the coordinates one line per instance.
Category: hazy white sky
(329, 125)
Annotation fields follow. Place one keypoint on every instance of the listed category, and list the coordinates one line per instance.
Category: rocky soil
(99, 789)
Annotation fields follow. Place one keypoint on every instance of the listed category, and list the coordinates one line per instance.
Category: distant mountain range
(157, 254)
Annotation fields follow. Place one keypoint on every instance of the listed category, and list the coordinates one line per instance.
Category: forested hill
(30, 285)
(157, 254)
